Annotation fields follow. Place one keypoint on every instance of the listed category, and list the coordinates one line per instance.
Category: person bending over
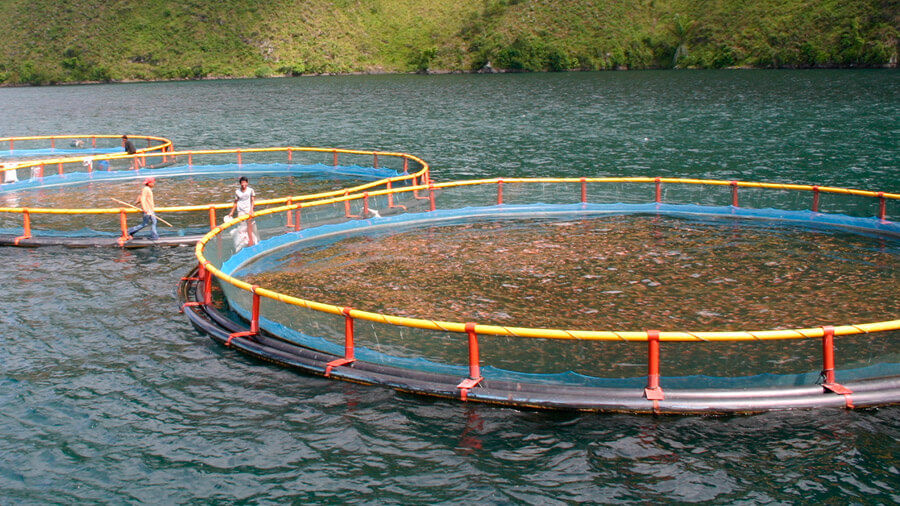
(137, 162)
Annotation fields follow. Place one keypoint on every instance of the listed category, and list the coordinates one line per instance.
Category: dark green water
(108, 394)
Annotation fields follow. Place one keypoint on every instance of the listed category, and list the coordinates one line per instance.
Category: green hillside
(44, 42)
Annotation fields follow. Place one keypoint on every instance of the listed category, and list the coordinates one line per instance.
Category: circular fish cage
(572, 293)
(90, 201)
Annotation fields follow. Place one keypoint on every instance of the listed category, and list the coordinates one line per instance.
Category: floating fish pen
(651, 295)
(90, 201)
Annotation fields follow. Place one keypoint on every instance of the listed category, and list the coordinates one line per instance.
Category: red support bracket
(347, 213)
(474, 367)
(348, 357)
(246, 333)
(391, 195)
(289, 221)
(254, 317)
(653, 392)
(830, 384)
(337, 363)
(466, 385)
(26, 227)
(189, 304)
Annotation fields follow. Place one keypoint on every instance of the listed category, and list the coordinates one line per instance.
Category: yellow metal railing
(756, 335)
(653, 391)
(420, 173)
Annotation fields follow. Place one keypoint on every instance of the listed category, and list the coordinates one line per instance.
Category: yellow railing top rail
(164, 143)
(83, 136)
(589, 335)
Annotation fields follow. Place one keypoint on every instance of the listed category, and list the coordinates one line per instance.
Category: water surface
(109, 395)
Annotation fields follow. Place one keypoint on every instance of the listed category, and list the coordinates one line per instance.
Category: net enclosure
(609, 294)
(90, 201)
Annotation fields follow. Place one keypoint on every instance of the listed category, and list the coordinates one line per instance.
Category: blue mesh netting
(316, 170)
(56, 152)
(260, 258)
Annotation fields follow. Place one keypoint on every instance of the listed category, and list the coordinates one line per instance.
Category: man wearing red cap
(145, 199)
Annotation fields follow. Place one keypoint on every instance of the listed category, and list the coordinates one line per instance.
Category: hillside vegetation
(45, 42)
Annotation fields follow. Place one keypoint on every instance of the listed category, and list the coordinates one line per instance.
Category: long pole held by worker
(138, 208)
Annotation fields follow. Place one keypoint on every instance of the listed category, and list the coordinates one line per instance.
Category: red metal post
(348, 334)
(190, 160)
(290, 155)
(201, 273)
(60, 169)
(52, 143)
(376, 160)
(829, 383)
(882, 206)
(347, 206)
(431, 196)
(123, 222)
(658, 190)
(734, 193)
(240, 158)
(335, 157)
(93, 142)
(653, 391)
(499, 191)
(828, 353)
(348, 357)
(26, 226)
(207, 287)
(474, 369)
(474, 366)
(405, 165)
(297, 219)
(290, 214)
(815, 205)
(254, 316)
(583, 190)
(212, 217)
(365, 212)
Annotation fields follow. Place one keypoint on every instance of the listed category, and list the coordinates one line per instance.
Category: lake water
(109, 395)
